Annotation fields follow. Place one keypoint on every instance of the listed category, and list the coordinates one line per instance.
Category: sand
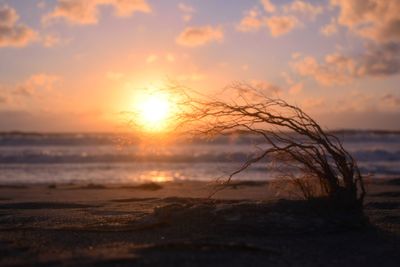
(175, 224)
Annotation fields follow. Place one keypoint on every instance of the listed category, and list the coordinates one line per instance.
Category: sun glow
(154, 111)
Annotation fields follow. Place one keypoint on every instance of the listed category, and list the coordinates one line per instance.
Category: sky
(75, 65)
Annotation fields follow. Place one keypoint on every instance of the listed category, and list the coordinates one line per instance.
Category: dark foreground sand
(174, 224)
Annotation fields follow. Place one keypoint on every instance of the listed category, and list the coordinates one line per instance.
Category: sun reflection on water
(160, 176)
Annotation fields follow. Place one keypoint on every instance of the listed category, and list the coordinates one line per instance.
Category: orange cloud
(12, 33)
(250, 22)
(304, 8)
(373, 19)
(125, 8)
(35, 83)
(296, 88)
(266, 87)
(390, 101)
(313, 103)
(87, 12)
(187, 11)
(379, 60)
(377, 22)
(268, 6)
(284, 20)
(337, 69)
(280, 25)
(329, 29)
(51, 40)
(198, 36)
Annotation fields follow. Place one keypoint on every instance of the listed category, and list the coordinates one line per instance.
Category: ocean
(32, 158)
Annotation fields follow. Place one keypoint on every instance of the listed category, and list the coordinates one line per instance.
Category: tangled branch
(293, 137)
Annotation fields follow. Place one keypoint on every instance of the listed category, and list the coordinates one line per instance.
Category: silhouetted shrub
(319, 164)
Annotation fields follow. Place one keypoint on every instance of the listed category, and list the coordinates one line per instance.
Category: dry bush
(293, 137)
(297, 187)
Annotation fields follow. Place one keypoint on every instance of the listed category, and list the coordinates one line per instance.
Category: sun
(154, 110)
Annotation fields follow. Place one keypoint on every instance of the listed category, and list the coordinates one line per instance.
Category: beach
(176, 224)
(89, 200)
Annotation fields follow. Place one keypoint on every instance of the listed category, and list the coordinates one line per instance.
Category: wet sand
(175, 224)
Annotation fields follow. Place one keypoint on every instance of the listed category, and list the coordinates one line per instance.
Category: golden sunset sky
(74, 65)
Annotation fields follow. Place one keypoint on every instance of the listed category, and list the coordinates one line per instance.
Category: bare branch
(292, 136)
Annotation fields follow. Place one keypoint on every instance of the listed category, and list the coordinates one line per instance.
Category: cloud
(296, 88)
(76, 12)
(304, 8)
(187, 11)
(336, 69)
(35, 83)
(266, 87)
(251, 21)
(87, 12)
(125, 8)
(12, 33)
(373, 19)
(329, 29)
(280, 25)
(268, 6)
(380, 60)
(51, 40)
(390, 101)
(37, 89)
(376, 22)
(313, 103)
(198, 36)
(361, 101)
(283, 20)
(376, 61)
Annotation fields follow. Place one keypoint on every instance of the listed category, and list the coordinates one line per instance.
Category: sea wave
(95, 139)
(32, 157)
